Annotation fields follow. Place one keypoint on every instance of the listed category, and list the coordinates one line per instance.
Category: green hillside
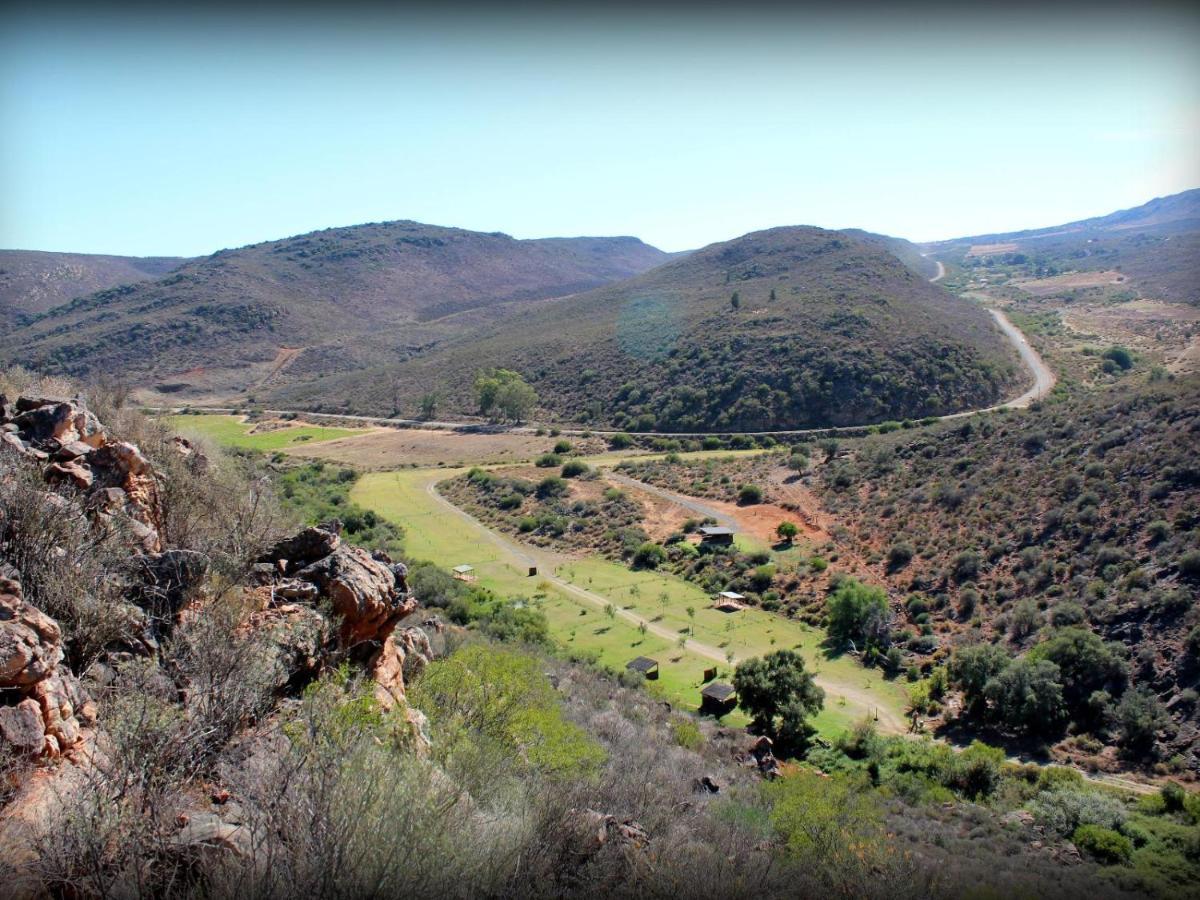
(785, 328)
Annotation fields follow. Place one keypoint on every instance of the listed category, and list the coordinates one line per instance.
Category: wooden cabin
(716, 535)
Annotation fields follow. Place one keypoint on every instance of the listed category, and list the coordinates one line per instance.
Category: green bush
(649, 556)
(562, 448)
(1103, 844)
(750, 494)
(620, 441)
(858, 612)
(547, 461)
(574, 468)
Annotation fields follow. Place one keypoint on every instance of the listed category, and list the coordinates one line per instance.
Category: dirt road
(547, 561)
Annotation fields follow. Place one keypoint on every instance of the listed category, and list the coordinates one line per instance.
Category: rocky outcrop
(115, 479)
(362, 590)
(369, 597)
(43, 704)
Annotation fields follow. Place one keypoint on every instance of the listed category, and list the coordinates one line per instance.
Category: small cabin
(464, 572)
(718, 698)
(716, 535)
(644, 666)
(728, 601)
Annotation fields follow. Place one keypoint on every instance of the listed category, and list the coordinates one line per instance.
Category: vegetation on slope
(343, 294)
(786, 328)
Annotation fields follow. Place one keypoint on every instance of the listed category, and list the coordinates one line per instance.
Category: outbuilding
(464, 572)
(717, 535)
(718, 698)
(644, 666)
(728, 601)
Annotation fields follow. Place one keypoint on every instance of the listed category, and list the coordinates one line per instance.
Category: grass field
(231, 431)
(436, 533)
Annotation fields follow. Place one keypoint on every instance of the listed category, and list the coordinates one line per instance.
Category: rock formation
(42, 702)
(114, 477)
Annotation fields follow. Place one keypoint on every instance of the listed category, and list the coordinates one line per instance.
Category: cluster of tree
(1072, 676)
(859, 616)
(504, 394)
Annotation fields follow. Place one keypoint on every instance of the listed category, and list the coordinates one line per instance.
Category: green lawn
(231, 431)
(436, 534)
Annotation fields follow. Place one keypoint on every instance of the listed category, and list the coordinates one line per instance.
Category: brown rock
(363, 592)
(70, 472)
(21, 729)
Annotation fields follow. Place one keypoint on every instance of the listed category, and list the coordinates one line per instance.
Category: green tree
(780, 695)
(772, 297)
(787, 531)
(428, 406)
(503, 393)
(1139, 716)
(972, 668)
(1027, 697)
(1086, 664)
(736, 300)
(858, 612)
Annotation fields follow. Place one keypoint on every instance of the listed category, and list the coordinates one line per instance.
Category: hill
(1153, 246)
(323, 300)
(784, 328)
(32, 281)
(905, 251)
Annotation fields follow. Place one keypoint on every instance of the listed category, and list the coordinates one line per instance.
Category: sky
(136, 132)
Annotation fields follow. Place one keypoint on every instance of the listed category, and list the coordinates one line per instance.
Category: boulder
(304, 548)
(363, 592)
(21, 728)
(33, 685)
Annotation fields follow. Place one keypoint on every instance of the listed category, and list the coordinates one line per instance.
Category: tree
(972, 668)
(772, 297)
(787, 531)
(1139, 716)
(780, 695)
(504, 392)
(429, 406)
(1086, 663)
(858, 612)
(1027, 697)
(735, 301)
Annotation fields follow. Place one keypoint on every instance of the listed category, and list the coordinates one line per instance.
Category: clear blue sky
(133, 134)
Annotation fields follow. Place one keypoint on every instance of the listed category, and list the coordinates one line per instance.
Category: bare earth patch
(391, 447)
(988, 249)
(1167, 331)
(1044, 287)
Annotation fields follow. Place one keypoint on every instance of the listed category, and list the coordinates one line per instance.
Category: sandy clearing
(388, 448)
(1044, 287)
(988, 249)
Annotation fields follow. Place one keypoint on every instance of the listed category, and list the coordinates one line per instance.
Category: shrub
(562, 448)
(552, 486)
(1104, 844)
(574, 468)
(965, 566)
(899, 556)
(649, 556)
(750, 494)
(1065, 808)
(1139, 716)
(1189, 565)
(1027, 697)
(1120, 356)
(620, 441)
(547, 461)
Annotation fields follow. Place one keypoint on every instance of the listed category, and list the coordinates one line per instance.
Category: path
(699, 507)
(546, 561)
